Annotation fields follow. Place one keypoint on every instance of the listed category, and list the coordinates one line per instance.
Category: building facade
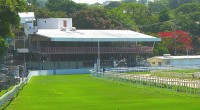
(53, 43)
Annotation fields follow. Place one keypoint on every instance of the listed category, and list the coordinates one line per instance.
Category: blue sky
(92, 1)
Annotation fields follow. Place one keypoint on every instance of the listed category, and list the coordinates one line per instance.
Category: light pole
(98, 60)
(173, 26)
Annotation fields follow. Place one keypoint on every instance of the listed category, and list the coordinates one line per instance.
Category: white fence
(10, 94)
(175, 84)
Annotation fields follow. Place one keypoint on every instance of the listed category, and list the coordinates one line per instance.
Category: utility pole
(175, 36)
(175, 42)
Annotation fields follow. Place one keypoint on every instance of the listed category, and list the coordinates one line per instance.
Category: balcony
(92, 50)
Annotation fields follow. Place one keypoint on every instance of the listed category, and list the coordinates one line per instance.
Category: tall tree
(180, 41)
(165, 15)
(188, 8)
(176, 3)
(94, 19)
(9, 18)
(67, 6)
(157, 6)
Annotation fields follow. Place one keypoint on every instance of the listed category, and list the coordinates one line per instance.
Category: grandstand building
(53, 43)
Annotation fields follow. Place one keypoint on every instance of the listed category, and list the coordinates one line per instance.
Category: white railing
(175, 84)
(10, 94)
(92, 50)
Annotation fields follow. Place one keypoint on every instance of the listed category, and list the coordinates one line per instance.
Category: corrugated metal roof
(96, 35)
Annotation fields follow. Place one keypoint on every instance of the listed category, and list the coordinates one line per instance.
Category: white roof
(96, 35)
(179, 57)
(26, 15)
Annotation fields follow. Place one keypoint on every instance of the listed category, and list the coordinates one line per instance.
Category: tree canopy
(9, 18)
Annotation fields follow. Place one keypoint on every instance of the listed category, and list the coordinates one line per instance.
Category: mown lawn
(84, 92)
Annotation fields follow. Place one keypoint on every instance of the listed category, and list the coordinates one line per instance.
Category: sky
(92, 1)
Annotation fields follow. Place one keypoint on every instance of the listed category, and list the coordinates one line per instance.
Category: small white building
(168, 60)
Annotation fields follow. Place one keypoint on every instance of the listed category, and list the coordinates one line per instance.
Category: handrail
(93, 50)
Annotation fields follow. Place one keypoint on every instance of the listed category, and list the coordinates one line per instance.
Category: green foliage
(75, 91)
(45, 13)
(160, 50)
(8, 19)
(113, 4)
(188, 8)
(176, 3)
(131, 15)
(165, 15)
(67, 6)
(125, 19)
(157, 6)
(94, 19)
(3, 46)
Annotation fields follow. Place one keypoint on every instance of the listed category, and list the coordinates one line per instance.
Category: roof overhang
(96, 36)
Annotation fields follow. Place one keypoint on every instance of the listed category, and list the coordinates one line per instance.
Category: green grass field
(84, 92)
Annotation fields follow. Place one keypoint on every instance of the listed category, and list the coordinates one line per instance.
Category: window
(64, 23)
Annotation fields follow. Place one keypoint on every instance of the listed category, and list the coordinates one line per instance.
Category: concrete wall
(58, 72)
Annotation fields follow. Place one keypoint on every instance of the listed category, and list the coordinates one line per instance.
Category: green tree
(43, 12)
(165, 15)
(67, 6)
(9, 19)
(113, 4)
(131, 15)
(188, 8)
(157, 6)
(159, 50)
(173, 4)
(94, 19)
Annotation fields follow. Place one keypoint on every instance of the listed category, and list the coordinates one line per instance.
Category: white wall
(57, 72)
(184, 62)
(53, 23)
